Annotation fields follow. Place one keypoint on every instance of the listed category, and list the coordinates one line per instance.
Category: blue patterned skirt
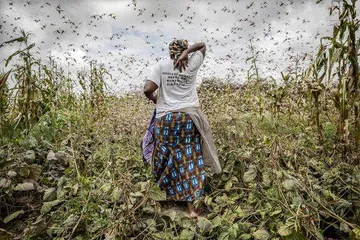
(178, 161)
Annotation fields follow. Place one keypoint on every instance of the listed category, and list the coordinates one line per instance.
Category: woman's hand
(183, 60)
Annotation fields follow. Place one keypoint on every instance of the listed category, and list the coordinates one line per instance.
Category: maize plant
(315, 81)
(38, 88)
(340, 53)
(253, 76)
(94, 86)
(4, 101)
(27, 97)
(58, 89)
(253, 59)
(97, 86)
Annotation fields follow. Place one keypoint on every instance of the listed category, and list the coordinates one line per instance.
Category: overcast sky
(130, 36)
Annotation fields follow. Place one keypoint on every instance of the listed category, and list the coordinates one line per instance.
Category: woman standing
(183, 139)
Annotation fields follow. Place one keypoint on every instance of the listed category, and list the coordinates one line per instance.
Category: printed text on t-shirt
(176, 79)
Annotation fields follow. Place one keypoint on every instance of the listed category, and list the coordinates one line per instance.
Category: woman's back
(176, 89)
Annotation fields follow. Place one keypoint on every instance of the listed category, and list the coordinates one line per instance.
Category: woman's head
(176, 48)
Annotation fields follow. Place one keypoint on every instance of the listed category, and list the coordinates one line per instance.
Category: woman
(183, 140)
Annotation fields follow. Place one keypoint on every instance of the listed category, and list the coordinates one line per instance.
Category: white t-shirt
(176, 89)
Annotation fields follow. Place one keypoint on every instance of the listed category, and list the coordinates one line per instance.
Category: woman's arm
(149, 90)
(183, 59)
(197, 46)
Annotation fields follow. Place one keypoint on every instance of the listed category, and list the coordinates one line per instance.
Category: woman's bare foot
(192, 210)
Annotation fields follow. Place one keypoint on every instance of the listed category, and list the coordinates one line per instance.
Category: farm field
(71, 164)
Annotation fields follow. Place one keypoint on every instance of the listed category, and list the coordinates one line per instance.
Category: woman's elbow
(149, 87)
(147, 90)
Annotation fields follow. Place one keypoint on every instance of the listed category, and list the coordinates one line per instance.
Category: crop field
(71, 164)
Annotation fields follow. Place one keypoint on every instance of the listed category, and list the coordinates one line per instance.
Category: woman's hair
(176, 48)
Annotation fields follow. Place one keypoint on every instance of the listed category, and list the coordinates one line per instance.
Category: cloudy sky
(129, 37)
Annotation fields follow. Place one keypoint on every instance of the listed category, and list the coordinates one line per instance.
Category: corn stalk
(315, 81)
(253, 59)
(254, 78)
(27, 95)
(97, 87)
(340, 53)
(4, 102)
(345, 38)
(352, 85)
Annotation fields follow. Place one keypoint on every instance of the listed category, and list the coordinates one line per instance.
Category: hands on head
(182, 61)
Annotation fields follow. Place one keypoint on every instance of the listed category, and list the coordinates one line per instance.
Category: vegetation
(71, 167)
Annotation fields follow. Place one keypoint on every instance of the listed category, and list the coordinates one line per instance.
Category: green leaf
(276, 212)
(248, 59)
(18, 52)
(288, 184)
(284, 230)
(27, 186)
(105, 188)
(217, 221)
(11, 174)
(24, 171)
(13, 216)
(3, 79)
(208, 200)
(228, 185)
(48, 193)
(295, 236)
(245, 236)
(261, 234)
(172, 214)
(156, 194)
(51, 156)
(48, 205)
(233, 230)
(240, 213)
(29, 155)
(344, 228)
(220, 200)
(223, 236)
(136, 194)
(4, 183)
(116, 194)
(35, 171)
(70, 221)
(148, 209)
(329, 195)
(250, 175)
(157, 236)
(204, 224)
(19, 39)
(297, 201)
(186, 235)
(61, 192)
(266, 179)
